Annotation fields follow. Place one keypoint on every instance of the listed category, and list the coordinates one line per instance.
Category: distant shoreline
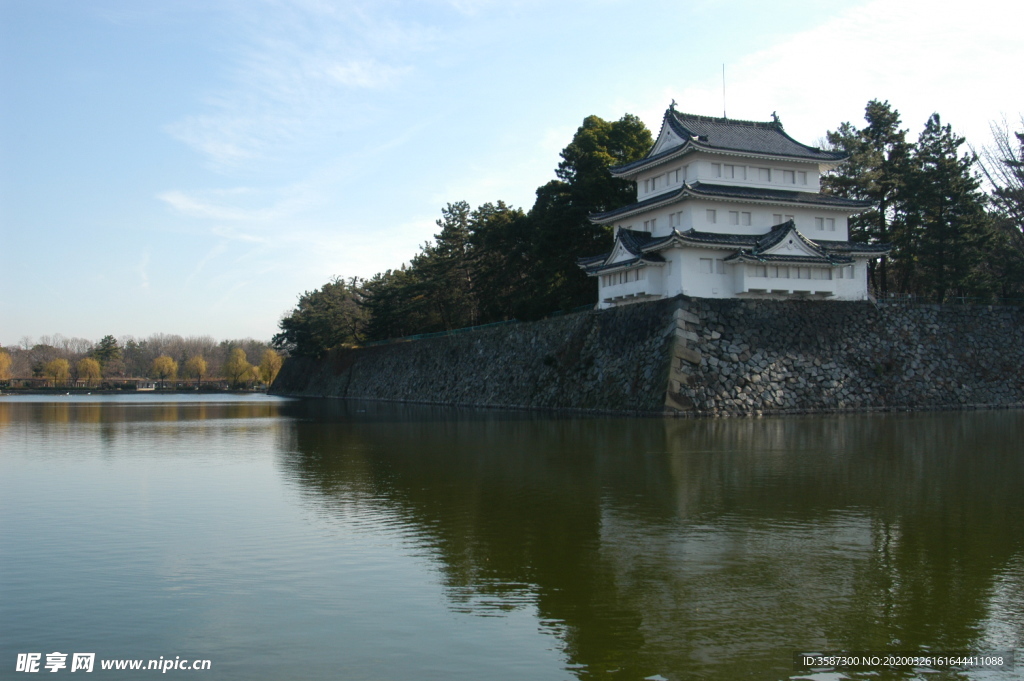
(114, 391)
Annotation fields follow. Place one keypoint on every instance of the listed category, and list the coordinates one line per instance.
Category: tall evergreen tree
(876, 171)
(946, 215)
(324, 318)
(500, 256)
(445, 265)
(562, 231)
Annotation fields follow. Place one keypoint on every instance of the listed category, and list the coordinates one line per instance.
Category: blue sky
(191, 167)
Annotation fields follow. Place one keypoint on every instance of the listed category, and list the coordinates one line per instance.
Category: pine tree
(946, 215)
(500, 261)
(561, 227)
(446, 269)
(875, 171)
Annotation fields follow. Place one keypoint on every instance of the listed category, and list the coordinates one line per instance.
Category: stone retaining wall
(698, 357)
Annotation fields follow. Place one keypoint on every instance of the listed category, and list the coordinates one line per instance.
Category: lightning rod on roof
(723, 92)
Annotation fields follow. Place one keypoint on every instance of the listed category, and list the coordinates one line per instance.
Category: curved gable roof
(730, 135)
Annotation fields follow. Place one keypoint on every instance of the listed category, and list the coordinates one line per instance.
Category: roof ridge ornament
(672, 106)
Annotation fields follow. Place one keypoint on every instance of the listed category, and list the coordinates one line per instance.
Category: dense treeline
(949, 238)
(160, 356)
(488, 264)
(497, 262)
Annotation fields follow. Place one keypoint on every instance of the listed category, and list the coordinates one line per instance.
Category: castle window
(830, 224)
(819, 224)
(745, 219)
(764, 174)
(788, 177)
(802, 176)
(705, 266)
(675, 219)
(734, 217)
(777, 219)
(712, 216)
(719, 266)
(716, 170)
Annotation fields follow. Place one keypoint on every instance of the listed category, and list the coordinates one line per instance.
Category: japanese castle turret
(730, 209)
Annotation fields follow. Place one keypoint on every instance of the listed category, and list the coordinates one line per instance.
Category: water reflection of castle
(714, 547)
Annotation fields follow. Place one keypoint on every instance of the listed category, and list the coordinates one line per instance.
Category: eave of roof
(854, 247)
(743, 256)
(707, 133)
(731, 192)
(633, 241)
(751, 248)
(756, 245)
(623, 264)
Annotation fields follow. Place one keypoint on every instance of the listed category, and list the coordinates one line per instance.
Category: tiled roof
(709, 238)
(722, 191)
(751, 247)
(780, 195)
(633, 241)
(853, 246)
(755, 245)
(652, 258)
(803, 259)
(653, 201)
(759, 138)
(726, 134)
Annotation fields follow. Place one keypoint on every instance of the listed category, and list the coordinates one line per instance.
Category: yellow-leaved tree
(89, 370)
(58, 370)
(195, 367)
(164, 368)
(237, 368)
(270, 365)
(5, 366)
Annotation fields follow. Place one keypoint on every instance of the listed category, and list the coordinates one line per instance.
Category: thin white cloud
(209, 208)
(364, 73)
(235, 234)
(210, 255)
(922, 56)
(143, 269)
(296, 73)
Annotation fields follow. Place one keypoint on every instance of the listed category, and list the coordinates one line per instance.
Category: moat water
(286, 539)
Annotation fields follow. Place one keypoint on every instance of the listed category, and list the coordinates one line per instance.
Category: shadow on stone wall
(697, 357)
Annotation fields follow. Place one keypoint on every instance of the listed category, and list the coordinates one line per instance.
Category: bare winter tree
(1002, 165)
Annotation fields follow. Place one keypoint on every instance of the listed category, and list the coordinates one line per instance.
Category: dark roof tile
(723, 191)
(726, 134)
